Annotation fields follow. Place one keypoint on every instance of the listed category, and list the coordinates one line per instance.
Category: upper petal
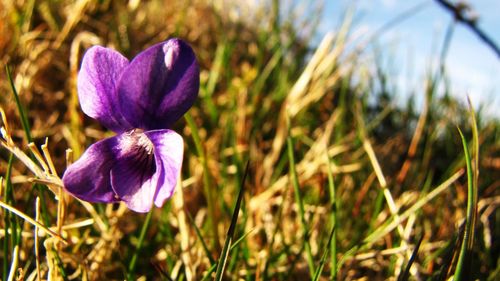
(168, 150)
(88, 178)
(97, 83)
(159, 85)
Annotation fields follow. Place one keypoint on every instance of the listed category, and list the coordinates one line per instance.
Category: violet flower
(139, 100)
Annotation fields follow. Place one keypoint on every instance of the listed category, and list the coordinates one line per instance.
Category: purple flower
(139, 100)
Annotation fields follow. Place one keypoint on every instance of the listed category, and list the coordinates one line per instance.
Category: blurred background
(411, 43)
(415, 30)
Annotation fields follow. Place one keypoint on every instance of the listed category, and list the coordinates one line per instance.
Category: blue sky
(473, 68)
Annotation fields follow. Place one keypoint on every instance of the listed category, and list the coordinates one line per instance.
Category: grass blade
(317, 274)
(200, 237)
(9, 220)
(393, 223)
(133, 261)
(406, 272)
(277, 221)
(22, 114)
(209, 272)
(470, 219)
(40, 188)
(241, 239)
(333, 218)
(230, 233)
(300, 204)
(206, 179)
(32, 221)
(475, 147)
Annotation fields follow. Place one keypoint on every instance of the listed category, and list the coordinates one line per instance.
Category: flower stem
(133, 261)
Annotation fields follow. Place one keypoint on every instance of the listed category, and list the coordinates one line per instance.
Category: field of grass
(298, 165)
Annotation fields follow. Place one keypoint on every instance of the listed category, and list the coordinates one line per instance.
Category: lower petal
(168, 150)
(88, 178)
(135, 175)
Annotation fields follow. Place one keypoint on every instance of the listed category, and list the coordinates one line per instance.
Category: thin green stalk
(319, 270)
(6, 247)
(7, 218)
(131, 266)
(470, 219)
(24, 119)
(60, 265)
(273, 239)
(406, 272)
(333, 218)
(379, 202)
(27, 131)
(241, 239)
(221, 264)
(12, 221)
(206, 179)
(217, 68)
(392, 223)
(475, 147)
(298, 198)
(209, 272)
(200, 237)
(213, 267)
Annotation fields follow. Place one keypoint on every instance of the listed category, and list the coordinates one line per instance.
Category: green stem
(469, 222)
(300, 203)
(133, 261)
(7, 218)
(333, 218)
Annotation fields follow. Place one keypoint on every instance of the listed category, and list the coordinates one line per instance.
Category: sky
(411, 45)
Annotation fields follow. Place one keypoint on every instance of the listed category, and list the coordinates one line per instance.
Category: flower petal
(168, 149)
(134, 175)
(88, 178)
(101, 69)
(159, 85)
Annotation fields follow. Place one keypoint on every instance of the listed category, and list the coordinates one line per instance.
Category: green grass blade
(22, 114)
(218, 67)
(475, 147)
(7, 218)
(333, 218)
(319, 270)
(214, 265)
(5, 266)
(277, 221)
(470, 219)
(200, 237)
(40, 188)
(209, 272)
(241, 239)
(298, 198)
(133, 261)
(391, 224)
(206, 179)
(27, 131)
(406, 272)
(230, 233)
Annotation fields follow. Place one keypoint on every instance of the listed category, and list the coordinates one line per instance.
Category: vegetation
(341, 183)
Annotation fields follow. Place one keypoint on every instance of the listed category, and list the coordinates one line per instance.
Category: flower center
(136, 151)
(144, 142)
(136, 140)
